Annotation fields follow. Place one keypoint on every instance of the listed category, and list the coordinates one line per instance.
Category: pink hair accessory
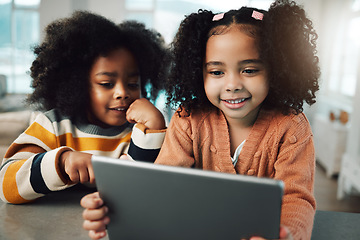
(218, 17)
(257, 15)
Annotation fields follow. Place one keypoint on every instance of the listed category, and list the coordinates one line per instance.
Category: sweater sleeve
(30, 167)
(296, 166)
(177, 149)
(145, 144)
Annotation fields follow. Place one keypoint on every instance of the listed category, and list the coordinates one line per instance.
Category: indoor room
(334, 118)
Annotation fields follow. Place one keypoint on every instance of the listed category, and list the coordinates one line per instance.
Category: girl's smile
(234, 103)
(118, 110)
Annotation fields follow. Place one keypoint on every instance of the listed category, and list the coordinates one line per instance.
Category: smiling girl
(241, 96)
(89, 77)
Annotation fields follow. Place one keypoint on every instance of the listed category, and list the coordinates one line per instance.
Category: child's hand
(143, 111)
(77, 166)
(94, 215)
(284, 234)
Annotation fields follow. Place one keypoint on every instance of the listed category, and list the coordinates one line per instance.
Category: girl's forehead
(230, 38)
(233, 45)
(248, 29)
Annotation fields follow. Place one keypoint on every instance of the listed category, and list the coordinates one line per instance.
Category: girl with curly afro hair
(239, 80)
(89, 77)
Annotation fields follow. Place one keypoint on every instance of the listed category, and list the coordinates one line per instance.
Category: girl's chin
(110, 124)
(115, 124)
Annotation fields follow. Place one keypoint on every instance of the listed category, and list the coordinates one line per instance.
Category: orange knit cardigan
(278, 146)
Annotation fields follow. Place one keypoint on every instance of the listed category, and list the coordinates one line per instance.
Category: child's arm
(32, 167)
(149, 131)
(295, 165)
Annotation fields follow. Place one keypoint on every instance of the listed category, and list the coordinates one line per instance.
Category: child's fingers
(257, 238)
(97, 235)
(96, 225)
(91, 201)
(73, 174)
(74, 177)
(83, 175)
(86, 173)
(91, 174)
(131, 116)
(285, 233)
(125, 157)
(95, 214)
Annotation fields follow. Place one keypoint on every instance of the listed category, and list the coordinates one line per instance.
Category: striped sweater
(29, 169)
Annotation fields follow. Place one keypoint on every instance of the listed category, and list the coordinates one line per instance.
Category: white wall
(111, 9)
(51, 10)
(314, 12)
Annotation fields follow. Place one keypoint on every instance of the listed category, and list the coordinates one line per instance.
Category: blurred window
(19, 27)
(344, 72)
(166, 15)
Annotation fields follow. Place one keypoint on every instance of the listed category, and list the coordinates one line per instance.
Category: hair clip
(257, 15)
(218, 17)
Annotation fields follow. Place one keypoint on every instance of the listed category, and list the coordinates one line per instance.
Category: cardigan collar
(252, 142)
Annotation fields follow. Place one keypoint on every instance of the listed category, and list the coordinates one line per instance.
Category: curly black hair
(286, 41)
(64, 59)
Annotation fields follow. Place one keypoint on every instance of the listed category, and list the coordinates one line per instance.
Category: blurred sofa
(12, 124)
(15, 117)
(2, 85)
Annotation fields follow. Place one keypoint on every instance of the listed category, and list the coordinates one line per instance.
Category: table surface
(336, 226)
(58, 216)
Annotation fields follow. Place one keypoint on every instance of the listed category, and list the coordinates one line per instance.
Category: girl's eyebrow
(247, 61)
(109, 74)
(214, 63)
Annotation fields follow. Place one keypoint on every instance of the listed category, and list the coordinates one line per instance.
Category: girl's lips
(234, 103)
(119, 108)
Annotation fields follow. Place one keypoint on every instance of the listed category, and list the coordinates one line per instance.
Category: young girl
(89, 75)
(241, 79)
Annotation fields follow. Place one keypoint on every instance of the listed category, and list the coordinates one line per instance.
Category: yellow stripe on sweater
(10, 189)
(86, 144)
(38, 131)
(78, 144)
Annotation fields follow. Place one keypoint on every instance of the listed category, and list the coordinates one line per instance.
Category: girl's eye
(216, 73)
(106, 84)
(250, 71)
(134, 85)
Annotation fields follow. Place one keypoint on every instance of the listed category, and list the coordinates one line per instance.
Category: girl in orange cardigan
(241, 79)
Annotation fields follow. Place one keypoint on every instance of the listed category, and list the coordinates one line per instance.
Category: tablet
(151, 201)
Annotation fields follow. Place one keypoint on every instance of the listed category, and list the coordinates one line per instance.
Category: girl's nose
(234, 83)
(121, 92)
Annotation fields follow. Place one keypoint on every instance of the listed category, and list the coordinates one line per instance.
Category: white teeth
(235, 101)
(119, 109)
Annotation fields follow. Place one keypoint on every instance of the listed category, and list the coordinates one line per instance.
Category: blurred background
(335, 118)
